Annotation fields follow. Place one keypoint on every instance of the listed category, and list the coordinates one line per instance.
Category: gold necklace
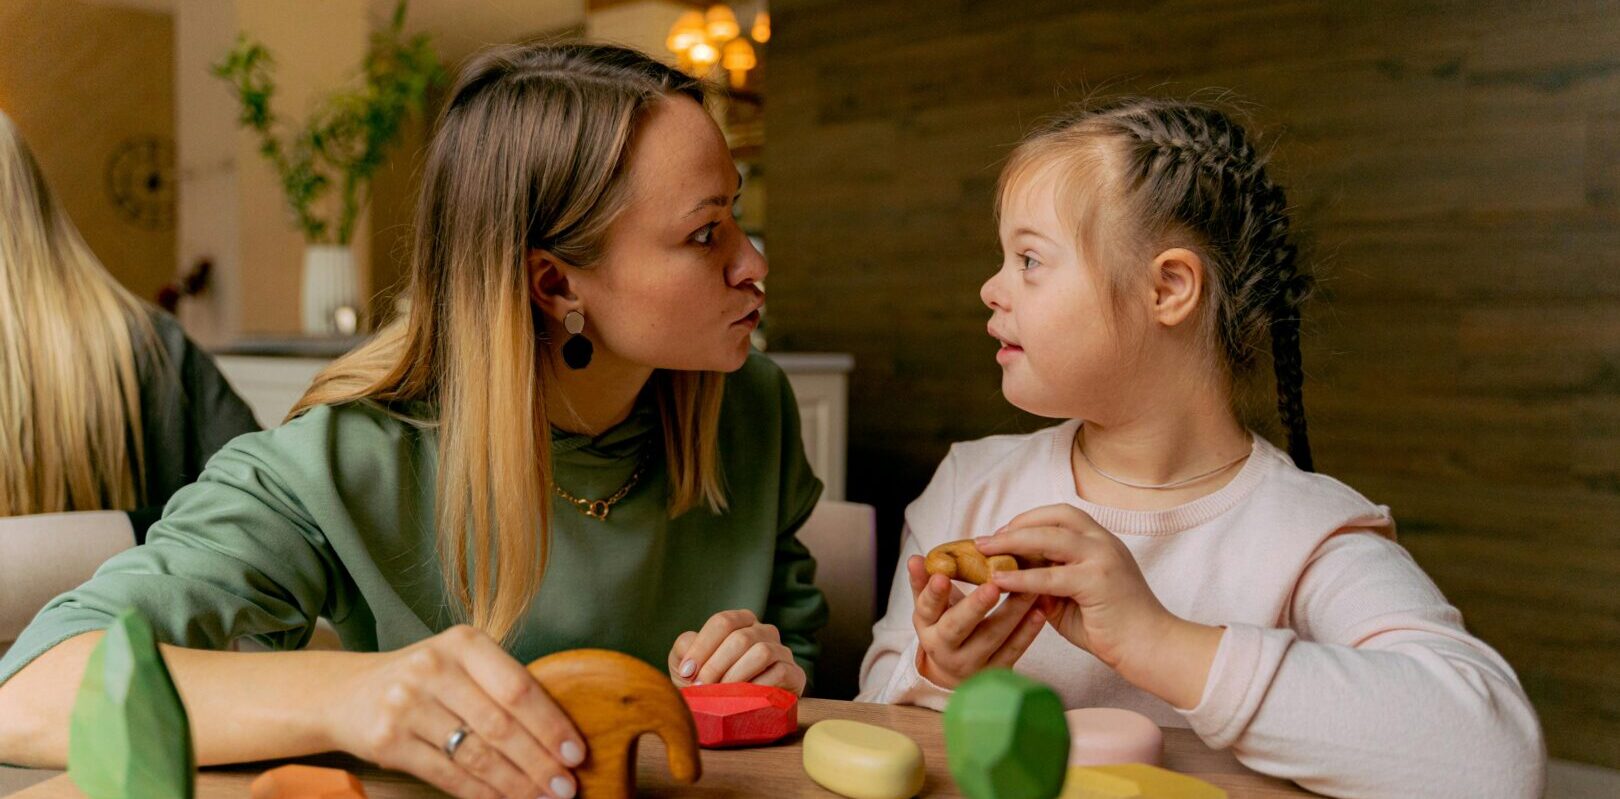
(598, 508)
(1078, 447)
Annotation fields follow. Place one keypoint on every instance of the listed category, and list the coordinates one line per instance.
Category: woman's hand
(1095, 595)
(734, 646)
(958, 635)
(402, 710)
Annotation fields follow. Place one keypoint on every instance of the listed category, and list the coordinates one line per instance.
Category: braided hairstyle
(1185, 174)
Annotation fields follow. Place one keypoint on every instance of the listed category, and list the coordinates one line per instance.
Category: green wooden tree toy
(1006, 737)
(129, 737)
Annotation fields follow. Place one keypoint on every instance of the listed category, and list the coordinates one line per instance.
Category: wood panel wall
(1456, 167)
(80, 81)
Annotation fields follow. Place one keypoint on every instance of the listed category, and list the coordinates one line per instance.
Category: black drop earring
(576, 351)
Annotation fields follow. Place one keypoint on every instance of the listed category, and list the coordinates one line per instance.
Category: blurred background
(1455, 169)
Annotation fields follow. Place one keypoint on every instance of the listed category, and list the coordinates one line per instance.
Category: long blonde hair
(70, 339)
(529, 152)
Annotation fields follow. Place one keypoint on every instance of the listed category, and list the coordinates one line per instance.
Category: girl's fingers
(956, 624)
(996, 627)
(933, 601)
(515, 691)
(1054, 544)
(1058, 515)
(1052, 581)
(719, 627)
(427, 762)
(918, 572)
(1029, 626)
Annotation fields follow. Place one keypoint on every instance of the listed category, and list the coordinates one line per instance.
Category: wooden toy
(129, 737)
(306, 782)
(862, 761)
(1006, 737)
(741, 714)
(961, 560)
(1135, 781)
(1099, 736)
(613, 699)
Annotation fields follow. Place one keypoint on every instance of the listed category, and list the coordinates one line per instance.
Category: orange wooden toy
(306, 782)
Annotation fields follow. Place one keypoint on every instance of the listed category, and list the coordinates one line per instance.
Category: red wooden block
(306, 782)
(741, 714)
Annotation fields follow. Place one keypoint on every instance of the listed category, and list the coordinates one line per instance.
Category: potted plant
(340, 146)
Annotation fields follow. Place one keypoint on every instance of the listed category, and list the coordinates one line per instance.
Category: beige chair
(44, 555)
(843, 538)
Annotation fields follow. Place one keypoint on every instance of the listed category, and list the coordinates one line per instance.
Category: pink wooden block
(1102, 736)
(741, 714)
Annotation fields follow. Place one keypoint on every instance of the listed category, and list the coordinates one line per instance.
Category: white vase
(330, 283)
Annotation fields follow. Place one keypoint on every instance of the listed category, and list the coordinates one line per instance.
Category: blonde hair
(529, 153)
(70, 338)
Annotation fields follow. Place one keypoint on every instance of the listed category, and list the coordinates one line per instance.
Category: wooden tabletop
(775, 771)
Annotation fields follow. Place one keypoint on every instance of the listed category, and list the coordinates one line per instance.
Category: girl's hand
(734, 646)
(958, 635)
(402, 709)
(1096, 597)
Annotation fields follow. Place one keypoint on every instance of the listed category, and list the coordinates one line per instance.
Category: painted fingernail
(562, 787)
(687, 667)
(572, 754)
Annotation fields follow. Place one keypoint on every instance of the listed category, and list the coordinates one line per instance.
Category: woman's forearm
(242, 706)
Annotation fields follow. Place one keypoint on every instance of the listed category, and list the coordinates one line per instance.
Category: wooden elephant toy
(613, 699)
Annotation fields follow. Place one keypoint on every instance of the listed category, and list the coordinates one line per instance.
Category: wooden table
(774, 771)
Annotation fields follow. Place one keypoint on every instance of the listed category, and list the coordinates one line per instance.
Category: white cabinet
(272, 383)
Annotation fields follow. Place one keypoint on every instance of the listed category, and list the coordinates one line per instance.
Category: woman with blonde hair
(104, 402)
(567, 443)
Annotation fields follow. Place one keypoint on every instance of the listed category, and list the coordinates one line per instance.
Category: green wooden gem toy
(1006, 737)
(129, 737)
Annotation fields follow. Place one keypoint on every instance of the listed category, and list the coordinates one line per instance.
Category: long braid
(1190, 170)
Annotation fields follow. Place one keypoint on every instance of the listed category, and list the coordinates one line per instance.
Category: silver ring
(454, 742)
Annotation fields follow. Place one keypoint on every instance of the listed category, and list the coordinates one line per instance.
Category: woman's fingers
(727, 655)
(681, 669)
(782, 674)
(427, 762)
(515, 690)
(480, 759)
(714, 633)
(917, 570)
(755, 661)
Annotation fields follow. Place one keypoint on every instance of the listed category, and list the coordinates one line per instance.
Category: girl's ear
(549, 286)
(1178, 285)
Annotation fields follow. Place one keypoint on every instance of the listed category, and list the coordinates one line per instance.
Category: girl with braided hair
(1178, 564)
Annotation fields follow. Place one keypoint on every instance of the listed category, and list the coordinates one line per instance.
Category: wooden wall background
(80, 80)
(1457, 166)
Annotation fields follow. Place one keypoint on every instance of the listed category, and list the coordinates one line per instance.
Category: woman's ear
(549, 286)
(1178, 285)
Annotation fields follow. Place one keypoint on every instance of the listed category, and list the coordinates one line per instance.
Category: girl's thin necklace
(1158, 486)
